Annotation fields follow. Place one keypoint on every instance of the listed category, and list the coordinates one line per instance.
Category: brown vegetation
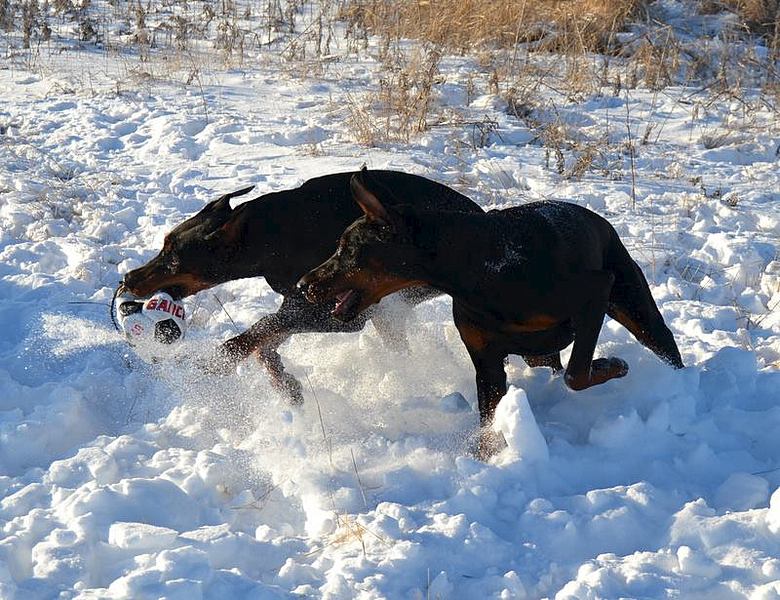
(461, 25)
(758, 16)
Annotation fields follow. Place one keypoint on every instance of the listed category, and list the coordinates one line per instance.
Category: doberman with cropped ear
(528, 280)
(280, 236)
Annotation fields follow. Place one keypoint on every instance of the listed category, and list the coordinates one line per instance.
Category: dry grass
(658, 59)
(756, 16)
(600, 47)
(461, 25)
(401, 107)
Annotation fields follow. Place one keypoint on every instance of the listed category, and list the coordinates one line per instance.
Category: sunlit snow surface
(124, 480)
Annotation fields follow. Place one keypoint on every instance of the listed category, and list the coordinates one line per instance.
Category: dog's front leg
(582, 371)
(259, 336)
(491, 387)
(488, 361)
(262, 339)
(491, 383)
(294, 316)
(281, 379)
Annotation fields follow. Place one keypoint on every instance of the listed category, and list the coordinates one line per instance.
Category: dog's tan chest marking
(535, 323)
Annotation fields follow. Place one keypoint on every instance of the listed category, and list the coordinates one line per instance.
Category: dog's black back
(295, 230)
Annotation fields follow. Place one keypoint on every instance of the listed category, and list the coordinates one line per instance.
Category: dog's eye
(173, 263)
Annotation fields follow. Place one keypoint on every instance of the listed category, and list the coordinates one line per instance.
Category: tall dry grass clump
(460, 25)
(757, 16)
(401, 107)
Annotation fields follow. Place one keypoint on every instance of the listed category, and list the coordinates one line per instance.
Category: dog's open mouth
(346, 304)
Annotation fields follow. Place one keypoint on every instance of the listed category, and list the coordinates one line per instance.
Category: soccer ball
(148, 324)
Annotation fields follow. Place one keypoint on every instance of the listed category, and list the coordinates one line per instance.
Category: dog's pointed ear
(231, 231)
(368, 201)
(223, 202)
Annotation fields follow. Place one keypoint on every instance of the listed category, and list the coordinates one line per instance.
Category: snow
(515, 421)
(125, 480)
(773, 515)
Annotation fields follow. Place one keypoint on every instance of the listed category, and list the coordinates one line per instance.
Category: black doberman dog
(280, 236)
(528, 280)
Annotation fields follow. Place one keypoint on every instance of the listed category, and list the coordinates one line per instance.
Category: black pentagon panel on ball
(129, 307)
(167, 332)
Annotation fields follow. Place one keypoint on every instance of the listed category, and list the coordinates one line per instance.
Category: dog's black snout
(307, 288)
(303, 286)
(130, 278)
(124, 284)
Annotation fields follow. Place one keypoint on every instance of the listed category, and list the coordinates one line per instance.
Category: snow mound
(515, 421)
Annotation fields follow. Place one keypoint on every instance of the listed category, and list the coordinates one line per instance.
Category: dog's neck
(453, 249)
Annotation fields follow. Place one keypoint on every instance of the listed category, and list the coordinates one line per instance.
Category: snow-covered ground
(122, 480)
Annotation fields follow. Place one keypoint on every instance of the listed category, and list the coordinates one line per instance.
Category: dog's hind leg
(548, 360)
(632, 305)
(582, 371)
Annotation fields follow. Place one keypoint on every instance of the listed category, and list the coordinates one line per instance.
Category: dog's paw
(291, 387)
(604, 369)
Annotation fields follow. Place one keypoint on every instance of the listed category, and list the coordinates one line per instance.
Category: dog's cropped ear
(230, 231)
(371, 205)
(223, 202)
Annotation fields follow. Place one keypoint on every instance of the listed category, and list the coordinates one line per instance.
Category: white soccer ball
(151, 324)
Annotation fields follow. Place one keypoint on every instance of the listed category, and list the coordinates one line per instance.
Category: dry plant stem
(325, 438)
(222, 306)
(631, 153)
(357, 476)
